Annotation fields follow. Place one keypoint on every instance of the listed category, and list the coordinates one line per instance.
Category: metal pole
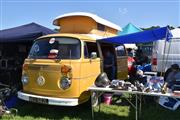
(99, 102)
(163, 63)
(136, 108)
(167, 54)
(140, 105)
(92, 110)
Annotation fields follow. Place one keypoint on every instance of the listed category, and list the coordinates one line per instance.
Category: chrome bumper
(47, 100)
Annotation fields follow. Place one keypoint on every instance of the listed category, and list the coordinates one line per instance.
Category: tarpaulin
(141, 37)
(23, 33)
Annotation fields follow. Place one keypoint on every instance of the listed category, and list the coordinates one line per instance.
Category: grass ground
(150, 111)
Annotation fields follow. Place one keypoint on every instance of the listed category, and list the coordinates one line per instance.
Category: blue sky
(142, 13)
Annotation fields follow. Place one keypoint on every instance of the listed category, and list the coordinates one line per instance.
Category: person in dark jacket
(170, 76)
(141, 58)
(109, 64)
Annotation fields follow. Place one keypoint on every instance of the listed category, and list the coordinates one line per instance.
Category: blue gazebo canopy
(141, 37)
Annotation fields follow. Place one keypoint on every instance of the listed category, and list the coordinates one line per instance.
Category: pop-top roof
(93, 16)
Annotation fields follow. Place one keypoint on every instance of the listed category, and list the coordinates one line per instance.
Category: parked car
(166, 53)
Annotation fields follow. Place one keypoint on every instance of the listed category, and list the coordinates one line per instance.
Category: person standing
(172, 77)
(141, 58)
(109, 64)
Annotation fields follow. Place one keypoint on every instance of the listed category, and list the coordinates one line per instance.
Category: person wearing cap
(170, 78)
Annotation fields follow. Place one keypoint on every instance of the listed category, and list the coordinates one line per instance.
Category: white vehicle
(166, 53)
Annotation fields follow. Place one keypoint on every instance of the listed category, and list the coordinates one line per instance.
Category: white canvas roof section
(176, 33)
(93, 16)
(132, 46)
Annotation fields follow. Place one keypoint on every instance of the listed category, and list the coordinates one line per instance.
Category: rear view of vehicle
(166, 53)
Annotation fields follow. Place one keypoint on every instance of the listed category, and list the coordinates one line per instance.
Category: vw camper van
(61, 67)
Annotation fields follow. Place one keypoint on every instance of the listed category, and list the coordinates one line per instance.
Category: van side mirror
(93, 55)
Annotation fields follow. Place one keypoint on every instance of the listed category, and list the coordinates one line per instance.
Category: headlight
(25, 79)
(65, 83)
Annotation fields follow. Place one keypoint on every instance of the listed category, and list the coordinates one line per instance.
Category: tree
(150, 28)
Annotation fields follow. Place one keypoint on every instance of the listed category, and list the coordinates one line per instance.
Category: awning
(141, 37)
(23, 33)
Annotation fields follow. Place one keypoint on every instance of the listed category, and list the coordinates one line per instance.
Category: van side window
(100, 27)
(90, 47)
(86, 54)
(120, 50)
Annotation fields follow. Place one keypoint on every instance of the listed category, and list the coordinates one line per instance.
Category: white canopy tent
(176, 33)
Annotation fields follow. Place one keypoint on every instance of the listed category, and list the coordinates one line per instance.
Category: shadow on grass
(150, 111)
(156, 112)
(81, 112)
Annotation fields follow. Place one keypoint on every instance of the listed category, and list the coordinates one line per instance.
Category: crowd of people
(137, 60)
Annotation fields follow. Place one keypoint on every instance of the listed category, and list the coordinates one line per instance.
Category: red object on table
(131, 67)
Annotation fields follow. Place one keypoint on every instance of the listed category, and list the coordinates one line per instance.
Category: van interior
(110, 59)
(90, 47)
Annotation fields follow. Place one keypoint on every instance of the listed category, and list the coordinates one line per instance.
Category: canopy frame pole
(163, 63)
(168, 53)
(163, 59)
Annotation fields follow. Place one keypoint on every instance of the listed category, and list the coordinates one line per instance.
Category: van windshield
(55, 48)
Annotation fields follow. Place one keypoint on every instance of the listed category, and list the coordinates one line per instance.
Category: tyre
(95, 99)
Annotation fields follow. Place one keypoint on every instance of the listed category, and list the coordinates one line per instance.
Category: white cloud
(123, 11)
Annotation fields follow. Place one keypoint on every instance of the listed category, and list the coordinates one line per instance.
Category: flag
(168, 35)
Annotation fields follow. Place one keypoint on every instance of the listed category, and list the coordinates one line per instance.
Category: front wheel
(94, 99)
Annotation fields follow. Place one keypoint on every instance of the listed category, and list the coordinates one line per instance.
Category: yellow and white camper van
(60, 67)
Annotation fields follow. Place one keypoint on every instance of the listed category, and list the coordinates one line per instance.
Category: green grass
(150, 111)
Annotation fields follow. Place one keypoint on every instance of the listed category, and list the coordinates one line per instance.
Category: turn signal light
(25, 66)
(65, 69)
